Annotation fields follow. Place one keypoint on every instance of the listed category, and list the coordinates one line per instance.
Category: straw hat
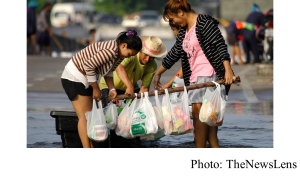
(153, 46)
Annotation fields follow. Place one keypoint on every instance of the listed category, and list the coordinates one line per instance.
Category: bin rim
(55, 114)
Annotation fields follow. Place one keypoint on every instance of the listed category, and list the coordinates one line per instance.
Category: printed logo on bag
(138, 125)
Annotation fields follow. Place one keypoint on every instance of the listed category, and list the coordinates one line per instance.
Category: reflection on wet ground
(246, 124)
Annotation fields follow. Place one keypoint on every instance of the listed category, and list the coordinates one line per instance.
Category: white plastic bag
(125, 118)
(96, 124)
(157, 110)
(182, 123)
(144, 119)
(111, 115)
(156, 104)
(167, 113)
(123, 123)
(213, 106)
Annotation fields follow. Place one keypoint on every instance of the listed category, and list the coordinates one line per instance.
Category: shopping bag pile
(152, 120)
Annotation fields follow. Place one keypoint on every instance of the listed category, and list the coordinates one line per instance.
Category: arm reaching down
(124, 78)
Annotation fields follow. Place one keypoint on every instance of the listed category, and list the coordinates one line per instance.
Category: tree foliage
(122, 7)
(118, 7)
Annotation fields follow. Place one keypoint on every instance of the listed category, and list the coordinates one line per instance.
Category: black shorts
(29, 34)
(31, 30)
(73, 88)
(43, 38)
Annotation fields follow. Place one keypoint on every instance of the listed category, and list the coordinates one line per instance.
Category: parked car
(130, 20)
(64, 13)
(109, 19)
(148, 18)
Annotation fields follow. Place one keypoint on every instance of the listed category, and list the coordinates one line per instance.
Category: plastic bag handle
(96, 103)
(146, 94)
(217, 84)
(166, 91)
(155, 93)
(142, 95)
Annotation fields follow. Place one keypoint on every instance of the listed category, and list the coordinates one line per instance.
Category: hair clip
(130, 33)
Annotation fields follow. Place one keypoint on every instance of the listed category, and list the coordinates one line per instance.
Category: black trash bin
(66, 126)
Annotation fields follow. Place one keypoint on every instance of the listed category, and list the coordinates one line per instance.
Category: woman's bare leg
(203, 132)
(81, 105)
(213, 137)
(33, 43)
(200, 129)
(233, 54)
(240, 54)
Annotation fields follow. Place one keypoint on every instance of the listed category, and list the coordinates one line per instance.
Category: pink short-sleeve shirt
(199, 64)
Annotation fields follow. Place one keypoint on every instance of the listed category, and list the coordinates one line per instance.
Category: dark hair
(172, 25)
(92, 30)
(172, 7)
(131, 39)
(47, 4)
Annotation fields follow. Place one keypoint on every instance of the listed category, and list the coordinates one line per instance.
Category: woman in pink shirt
(201, 47)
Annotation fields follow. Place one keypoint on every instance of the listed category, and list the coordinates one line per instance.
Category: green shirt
(135, 71)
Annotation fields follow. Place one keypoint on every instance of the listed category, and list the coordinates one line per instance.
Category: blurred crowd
(39, 32)
(251, 40)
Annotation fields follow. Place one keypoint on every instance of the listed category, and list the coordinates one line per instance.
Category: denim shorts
(73, 88)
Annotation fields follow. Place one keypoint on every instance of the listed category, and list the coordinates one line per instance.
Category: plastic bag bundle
(144, 119)
(156, 104)
(213, 106)
(125, 118)
(96, 124)
(182, 122)
(111, 115)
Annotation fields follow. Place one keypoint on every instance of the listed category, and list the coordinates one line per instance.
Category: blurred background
(77, 23)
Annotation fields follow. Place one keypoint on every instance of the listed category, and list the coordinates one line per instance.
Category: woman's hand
(156, 82)
(229, 77)
(156, 79)
(96, 94)
(113, 93)
(129, 90)
(96, 91)
(167, 85)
